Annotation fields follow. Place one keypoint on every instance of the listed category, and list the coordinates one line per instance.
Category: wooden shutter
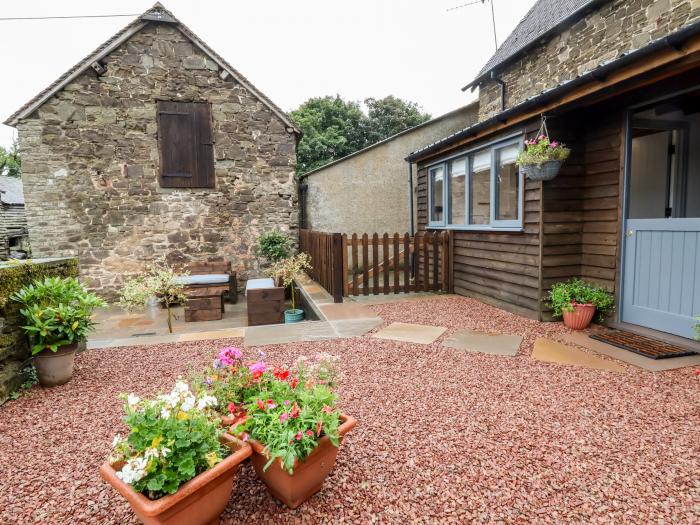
(186, 146)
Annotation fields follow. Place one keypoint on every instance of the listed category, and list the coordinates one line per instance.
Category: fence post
(338, 272)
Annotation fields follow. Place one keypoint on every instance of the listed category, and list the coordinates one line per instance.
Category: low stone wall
(14, 347)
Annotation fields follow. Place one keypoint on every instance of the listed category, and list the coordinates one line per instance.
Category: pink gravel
(443, 435)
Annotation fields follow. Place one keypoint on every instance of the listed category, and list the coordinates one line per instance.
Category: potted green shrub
(542, 159)
(159, 280)
(176, 466)
(577, 302)
(58, 315)
(289, 416)
(274, 245)
(286, 271)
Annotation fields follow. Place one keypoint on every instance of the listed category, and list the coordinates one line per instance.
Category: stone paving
(497, 344)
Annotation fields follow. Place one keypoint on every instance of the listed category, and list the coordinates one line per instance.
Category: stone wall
(14, 347)
(367, 192)
(90, 166)
(615, 28)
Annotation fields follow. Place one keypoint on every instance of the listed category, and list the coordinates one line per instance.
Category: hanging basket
(545, 171)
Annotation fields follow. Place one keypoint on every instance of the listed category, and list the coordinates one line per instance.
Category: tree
(334, 128)
(391, 115)
(10, 161)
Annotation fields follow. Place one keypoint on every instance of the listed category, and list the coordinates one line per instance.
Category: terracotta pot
(55, 368)
(309, 475)
(580, 318)
(200, 501)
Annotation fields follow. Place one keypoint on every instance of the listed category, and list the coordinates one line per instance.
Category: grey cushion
(257, 284)
(207, 278)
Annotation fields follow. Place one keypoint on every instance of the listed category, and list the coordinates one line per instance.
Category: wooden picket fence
(378, 264)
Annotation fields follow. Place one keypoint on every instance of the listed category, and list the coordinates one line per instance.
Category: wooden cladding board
(498, 268)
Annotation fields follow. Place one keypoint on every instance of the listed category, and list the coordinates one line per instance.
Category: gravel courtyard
(443, 435)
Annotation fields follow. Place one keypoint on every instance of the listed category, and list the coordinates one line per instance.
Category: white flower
(151, 452)
(165, 413)
(164, 451)
(132, 401)
(133, 470)
(117, 439)
(206, 401)
(188, 403)
(181, 388)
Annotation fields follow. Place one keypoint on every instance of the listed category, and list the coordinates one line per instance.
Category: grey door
(661, 270)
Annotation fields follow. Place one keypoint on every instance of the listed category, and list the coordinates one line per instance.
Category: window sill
(489, 229)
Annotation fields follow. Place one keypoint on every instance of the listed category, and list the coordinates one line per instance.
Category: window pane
(507, 182)
(437, 181)
(480, 189)
(458, 172)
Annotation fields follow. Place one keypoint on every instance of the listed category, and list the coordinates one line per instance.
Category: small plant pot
(55, 368)
(545, 171)
(580, 318)
(200, 501)
(293, 316)
(309, 474)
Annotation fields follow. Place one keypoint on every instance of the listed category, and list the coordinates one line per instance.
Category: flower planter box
(200, 501)
(309, 475)
(580, 318)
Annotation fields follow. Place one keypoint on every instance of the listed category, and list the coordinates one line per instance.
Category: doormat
(642, 345)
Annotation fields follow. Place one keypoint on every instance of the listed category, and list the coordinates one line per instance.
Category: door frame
(626, 178)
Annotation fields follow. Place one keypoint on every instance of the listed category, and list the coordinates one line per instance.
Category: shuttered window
(186, 145)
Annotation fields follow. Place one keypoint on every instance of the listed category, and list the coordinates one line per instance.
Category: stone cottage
(154, 145)
(14, 241)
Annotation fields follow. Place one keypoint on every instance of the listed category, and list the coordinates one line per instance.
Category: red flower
(299, 435)
(295, 410)
(232, 408)
(257, 375)
(281, 374)
(309, 433)
(697, 372)
(261, 405)
(294, 382)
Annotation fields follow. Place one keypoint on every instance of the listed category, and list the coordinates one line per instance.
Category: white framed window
(480, 189)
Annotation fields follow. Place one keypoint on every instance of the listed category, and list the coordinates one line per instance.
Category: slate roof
(157, 13)
(11, 190)
(544, 17)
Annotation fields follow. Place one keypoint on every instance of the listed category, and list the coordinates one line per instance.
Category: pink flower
(299, 436)
(283, 417)
(228, 356)
(309, 433)
(541, 137)
(258, 367)
(554, 144)
(271, 404)
(245, 436)
(286, 402)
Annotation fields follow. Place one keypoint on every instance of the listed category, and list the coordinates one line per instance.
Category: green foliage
(275, 245)
(289, 269)
(564, 295)
(541, 150)
(172, 439)
(16, 274)
(334, 128)
(57, 312)
(11, 161)
(159, 280)
(29, 382)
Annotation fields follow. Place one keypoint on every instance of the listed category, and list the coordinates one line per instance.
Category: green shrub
(14, 275)
(274, 245)
(57, 312)
(172, 439)
(564, 295)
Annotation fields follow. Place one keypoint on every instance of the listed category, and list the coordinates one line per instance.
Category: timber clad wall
(499, 268)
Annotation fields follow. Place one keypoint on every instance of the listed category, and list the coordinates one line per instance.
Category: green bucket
(293, 316)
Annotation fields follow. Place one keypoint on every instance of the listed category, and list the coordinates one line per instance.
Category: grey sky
(291, 50)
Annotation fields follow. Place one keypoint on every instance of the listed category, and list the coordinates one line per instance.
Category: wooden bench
(204, 305)
(211, 268)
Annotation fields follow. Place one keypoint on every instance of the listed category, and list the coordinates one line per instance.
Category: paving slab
(275, 334)
(342, 311)
(411, 333)
(487, 343)
(653, 365)
(214, 334)
(355, 327)
(555, 352)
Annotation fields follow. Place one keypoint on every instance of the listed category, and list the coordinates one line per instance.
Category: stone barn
(154, 145)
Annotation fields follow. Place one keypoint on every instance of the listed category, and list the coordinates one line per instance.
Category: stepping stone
(555, 352)
(274, 334)
(653, 365)
(497, 344)
(344, 311)
(411, 333)
(214, 334)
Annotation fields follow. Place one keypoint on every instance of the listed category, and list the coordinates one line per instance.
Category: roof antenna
(493, 15)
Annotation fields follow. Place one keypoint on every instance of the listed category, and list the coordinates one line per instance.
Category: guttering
(673, 41)
(410, 199)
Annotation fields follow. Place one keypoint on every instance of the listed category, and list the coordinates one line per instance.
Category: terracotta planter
(200, 501)
(309, 475)
(580, 318)
(55, 368)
